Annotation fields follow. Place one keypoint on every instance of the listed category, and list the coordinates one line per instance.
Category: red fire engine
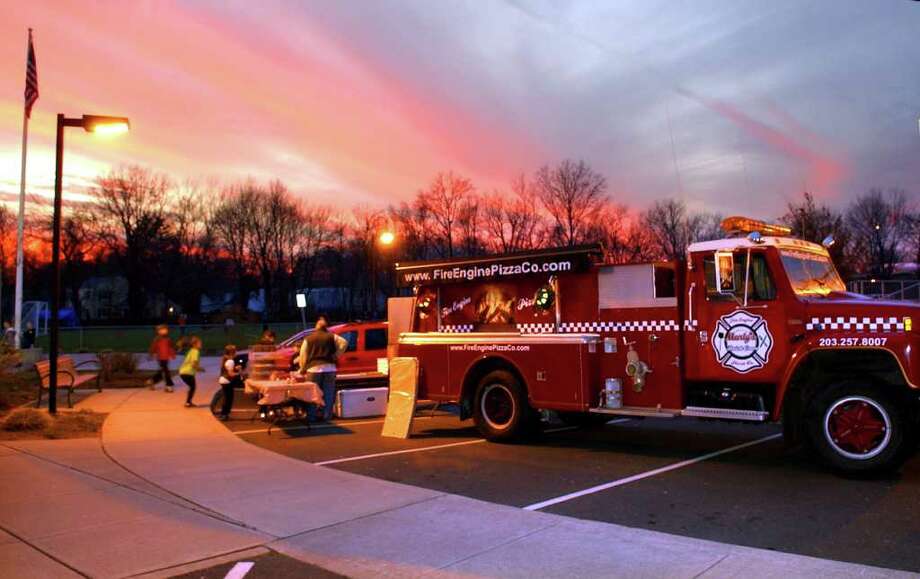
(755, 327)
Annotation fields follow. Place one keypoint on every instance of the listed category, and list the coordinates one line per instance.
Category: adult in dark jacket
(318, 355)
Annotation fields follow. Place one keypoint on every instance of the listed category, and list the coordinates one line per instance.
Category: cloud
(734, 106)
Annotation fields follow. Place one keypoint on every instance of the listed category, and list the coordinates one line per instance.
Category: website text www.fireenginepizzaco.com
(495, 270)
(490, 348)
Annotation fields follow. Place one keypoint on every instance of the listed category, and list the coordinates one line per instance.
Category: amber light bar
(737, 224)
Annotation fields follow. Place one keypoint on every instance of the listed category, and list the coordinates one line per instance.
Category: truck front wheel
(857, 429)
(500, 407)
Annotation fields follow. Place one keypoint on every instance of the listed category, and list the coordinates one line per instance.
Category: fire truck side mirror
(828, 241)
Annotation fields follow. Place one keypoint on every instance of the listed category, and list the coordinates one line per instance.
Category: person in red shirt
(163, 350)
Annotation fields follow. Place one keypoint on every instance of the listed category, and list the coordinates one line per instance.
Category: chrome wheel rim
(857, 427)
(497, 406)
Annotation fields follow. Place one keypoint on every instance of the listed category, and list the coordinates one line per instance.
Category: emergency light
(738, 224)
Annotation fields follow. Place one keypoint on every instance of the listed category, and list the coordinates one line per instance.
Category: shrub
(119, 362)
(27, 419)
(9, 358)
(86, 420)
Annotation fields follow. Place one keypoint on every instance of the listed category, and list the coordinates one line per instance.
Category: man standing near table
(318, 355)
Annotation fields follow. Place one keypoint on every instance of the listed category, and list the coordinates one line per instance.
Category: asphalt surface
(271, 565)
(727, 482)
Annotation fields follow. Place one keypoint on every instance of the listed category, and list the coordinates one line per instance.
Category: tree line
(174, 242)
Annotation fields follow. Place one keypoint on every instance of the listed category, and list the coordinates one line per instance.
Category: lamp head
(104, 125)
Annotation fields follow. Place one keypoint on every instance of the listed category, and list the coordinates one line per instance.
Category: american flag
(31, 79)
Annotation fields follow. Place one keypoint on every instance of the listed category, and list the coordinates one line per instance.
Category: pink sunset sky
(732, 106)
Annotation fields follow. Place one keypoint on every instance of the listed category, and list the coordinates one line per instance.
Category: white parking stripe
(424, 448)
(640, 476)
(393, 452)
(239, 570)
(618, 420)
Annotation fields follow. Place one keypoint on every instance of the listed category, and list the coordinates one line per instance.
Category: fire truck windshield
(811, 274)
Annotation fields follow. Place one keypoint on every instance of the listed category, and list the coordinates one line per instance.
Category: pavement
(640, 473)
(168, 490)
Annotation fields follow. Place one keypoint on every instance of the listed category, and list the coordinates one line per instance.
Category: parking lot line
(393, 452)
(644, 475)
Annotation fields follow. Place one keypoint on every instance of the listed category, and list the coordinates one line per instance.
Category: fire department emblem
(742, 341)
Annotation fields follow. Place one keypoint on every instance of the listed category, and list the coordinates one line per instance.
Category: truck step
(726, 413)
(636, 411)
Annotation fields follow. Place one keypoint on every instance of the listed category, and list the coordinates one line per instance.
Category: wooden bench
(67, 377)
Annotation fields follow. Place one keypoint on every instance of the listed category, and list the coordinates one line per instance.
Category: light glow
(387, 238)
(110, 129)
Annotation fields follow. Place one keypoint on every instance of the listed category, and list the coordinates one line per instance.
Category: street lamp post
(91, 124)
(385, 239)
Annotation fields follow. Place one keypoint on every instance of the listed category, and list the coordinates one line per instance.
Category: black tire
(217, 401)
(500, 408)
(858, 429)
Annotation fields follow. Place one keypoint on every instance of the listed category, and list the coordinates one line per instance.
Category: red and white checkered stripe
(876, 324)
(537, 328)
(624, 326)
(457, 328)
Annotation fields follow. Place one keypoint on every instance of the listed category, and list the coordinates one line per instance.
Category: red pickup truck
(367, 341)
(357, 368)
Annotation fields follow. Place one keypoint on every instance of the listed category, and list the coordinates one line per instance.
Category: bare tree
(572, 194)
(672, 228)
(512, 222)
(412, 221)
(814, 222)
(131, 205)
(193, 245)
(230, 222)
(879, 227)
(446, 202)
(7, 248)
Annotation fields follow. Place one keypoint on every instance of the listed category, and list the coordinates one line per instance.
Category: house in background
(104, 298)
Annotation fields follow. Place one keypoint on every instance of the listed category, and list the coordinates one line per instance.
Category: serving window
(644, 285)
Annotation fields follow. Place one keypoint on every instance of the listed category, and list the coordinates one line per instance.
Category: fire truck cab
(755, 327)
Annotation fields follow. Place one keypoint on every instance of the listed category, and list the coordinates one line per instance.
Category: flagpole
(20, 231)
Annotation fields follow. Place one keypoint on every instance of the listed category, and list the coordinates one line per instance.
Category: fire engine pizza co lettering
(742, 341)
(490, 348)
(456, 306)
(498, 270)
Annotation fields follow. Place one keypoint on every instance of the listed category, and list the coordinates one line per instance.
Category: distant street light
(91, 124)
(387, 238)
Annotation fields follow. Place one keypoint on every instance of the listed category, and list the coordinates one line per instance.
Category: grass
(137, 338)
(33, 423)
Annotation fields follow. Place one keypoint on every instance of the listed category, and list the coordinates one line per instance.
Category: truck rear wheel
(500, 407)
(857, 429)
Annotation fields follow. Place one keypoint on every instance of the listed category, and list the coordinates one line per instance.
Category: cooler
(361, 402)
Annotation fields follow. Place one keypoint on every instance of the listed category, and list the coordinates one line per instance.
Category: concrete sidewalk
(183, 488)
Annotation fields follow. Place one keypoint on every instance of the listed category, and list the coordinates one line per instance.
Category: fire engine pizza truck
(755, 327)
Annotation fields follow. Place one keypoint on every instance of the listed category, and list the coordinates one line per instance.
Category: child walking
(190, 367)
(163, 350)
(230, 378)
